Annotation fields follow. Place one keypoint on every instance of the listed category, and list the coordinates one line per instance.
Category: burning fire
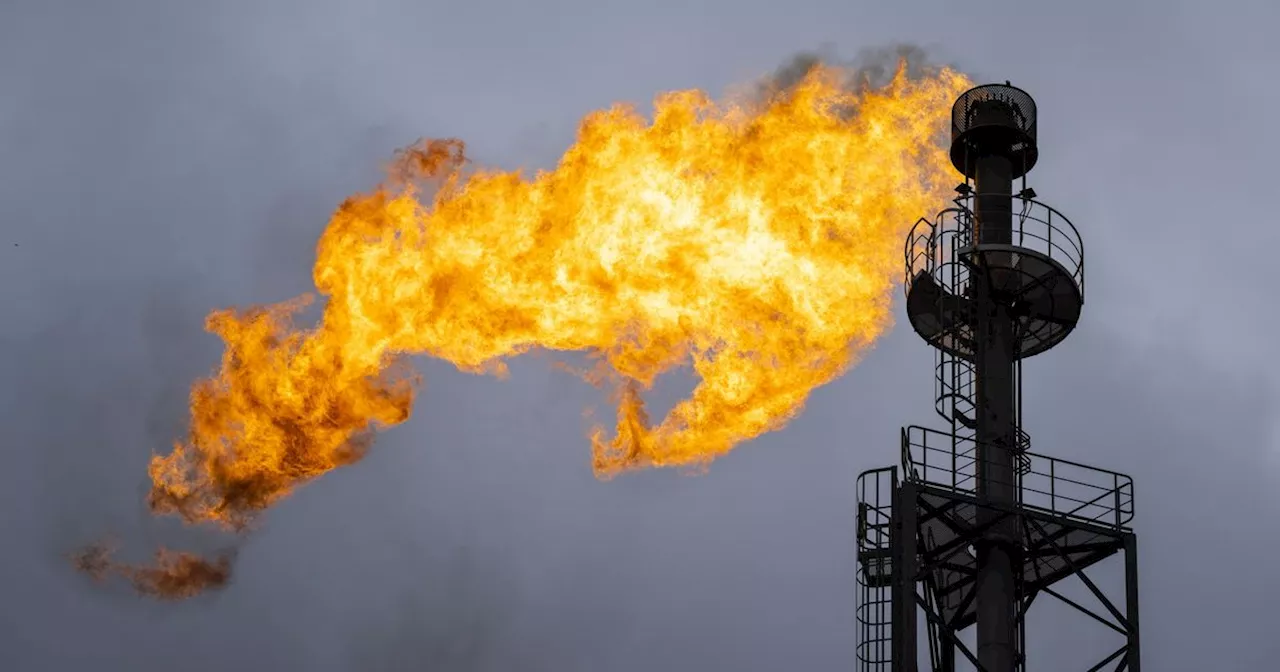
(756, 243)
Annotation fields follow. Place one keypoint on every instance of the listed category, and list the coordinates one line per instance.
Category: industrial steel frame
(972, 527)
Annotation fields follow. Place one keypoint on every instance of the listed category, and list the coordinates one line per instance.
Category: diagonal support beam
(945, 551)
(935, 618)
(1093, 588)
(1118, 652)
(1076, 605)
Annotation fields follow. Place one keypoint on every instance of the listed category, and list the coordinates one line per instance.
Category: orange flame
(757, 244)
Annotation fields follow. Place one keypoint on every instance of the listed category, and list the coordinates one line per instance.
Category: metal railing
(875, 513)
(933, 246)
(874, 610)
(1048, 484)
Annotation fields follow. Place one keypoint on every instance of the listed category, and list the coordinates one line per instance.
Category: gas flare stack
(972, 527)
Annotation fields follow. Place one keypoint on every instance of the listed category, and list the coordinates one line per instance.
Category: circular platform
(1040, 294)
(1039, 277)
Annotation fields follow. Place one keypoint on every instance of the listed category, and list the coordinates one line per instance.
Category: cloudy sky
(158, 159)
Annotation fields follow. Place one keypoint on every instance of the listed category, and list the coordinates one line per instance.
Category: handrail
(875, 490)
(1036, 226)
(1050, 484)
(874, 577)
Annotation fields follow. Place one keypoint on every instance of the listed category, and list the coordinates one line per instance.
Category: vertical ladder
(875, 570)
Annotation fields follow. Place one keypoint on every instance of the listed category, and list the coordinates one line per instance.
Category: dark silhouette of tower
(972, 527)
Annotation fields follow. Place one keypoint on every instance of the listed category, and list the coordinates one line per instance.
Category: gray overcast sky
(158, 159)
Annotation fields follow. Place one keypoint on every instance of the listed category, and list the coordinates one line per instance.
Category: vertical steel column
(905, 616)
(996, 401)
(1131, 600)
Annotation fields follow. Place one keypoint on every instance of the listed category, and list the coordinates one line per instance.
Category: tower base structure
(921, 530)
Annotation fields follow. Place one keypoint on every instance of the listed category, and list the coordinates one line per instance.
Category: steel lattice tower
(972, 527)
